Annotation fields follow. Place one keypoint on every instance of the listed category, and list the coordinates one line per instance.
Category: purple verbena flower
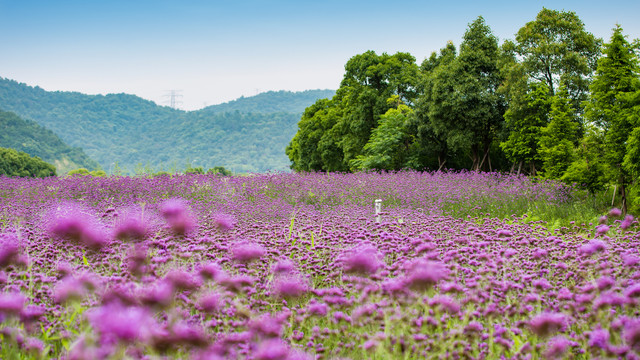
(131, 228)
(9, 249)
(245, 252)
(126, 324)
(223, 222)
(599, 338)
(178, 216)
(547, 323)
(272, 349)
(556, 347)
(425, 274)
(290, 286)
(210, 302)
(362, 260)
(12, 303)
(72, 223)
(627, 222)
(602, 229)
(592, 247)
(615, 212)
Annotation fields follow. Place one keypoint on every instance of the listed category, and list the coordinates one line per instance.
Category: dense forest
(128, 133)
(555, 102)
(18, 163)
(35, 140)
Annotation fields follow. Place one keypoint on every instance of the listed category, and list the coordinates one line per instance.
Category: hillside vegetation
(246, 135)
(19, 164)
(35, 140)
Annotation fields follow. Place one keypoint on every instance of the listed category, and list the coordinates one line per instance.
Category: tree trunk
(623, 194)
(482, 162)
(442, 164)
(519, 167)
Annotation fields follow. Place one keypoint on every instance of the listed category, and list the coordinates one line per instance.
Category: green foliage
(18, 163)
(313, 148)
(130, 130)
(79, 172)
(388, 147)
(528, 113)
(370, 80)
(35, 140)
(334, 132)
(219, 170)
(98, 173)
(588, 170)
(427, 123)
(194, 170)
(461, 101)
(555, 49)
(162, 173)
(558, 138)
(272, 102)
(610, 106)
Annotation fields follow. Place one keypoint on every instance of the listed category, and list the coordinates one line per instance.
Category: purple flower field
(295, 266)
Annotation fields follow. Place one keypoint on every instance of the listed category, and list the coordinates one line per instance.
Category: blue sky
(217, 51)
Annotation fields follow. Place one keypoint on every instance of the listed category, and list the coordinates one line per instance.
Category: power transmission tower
(173, 98)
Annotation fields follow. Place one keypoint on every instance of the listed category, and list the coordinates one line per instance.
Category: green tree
(527, 115)
(429, 121)
(199, 170)
(555, 48)
(369, 80)
(465, 106)
(314, 147)
(20, 164)
(388, 147)
(610, 106)
(79, 172)
(333, 132)
(588, 169)
(559, 137)
(219, 170)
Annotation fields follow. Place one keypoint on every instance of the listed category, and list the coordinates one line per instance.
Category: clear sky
(216, 51)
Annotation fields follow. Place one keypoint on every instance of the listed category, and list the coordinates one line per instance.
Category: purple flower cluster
(208, 267)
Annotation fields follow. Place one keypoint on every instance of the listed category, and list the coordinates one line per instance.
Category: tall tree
(608, 106)
(464, 101)
(314, 148)
(388, 147)
(431, 136)
(559, 138)
(369, 80)
(555, 48)
(527, 115)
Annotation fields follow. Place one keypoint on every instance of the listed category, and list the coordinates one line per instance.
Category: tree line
(554, 102)
(15, 163)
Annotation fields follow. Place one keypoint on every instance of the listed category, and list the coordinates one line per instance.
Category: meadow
(459, 265)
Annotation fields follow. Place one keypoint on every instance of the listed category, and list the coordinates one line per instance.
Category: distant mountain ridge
(272, 102)
(35, 140)
(244, 135)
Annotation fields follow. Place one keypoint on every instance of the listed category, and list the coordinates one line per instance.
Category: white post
(378, 208)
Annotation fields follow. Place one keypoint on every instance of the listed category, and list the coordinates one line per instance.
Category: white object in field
(378, 207)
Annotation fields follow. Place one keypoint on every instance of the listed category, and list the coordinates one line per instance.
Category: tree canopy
(552, 102)
(20, 164)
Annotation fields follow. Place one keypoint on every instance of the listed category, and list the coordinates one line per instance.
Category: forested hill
(133, 133)
(35, 140)
(272, 102)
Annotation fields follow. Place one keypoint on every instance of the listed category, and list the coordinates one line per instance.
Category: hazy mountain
(35, 140)
(245, 135)
(272, 102)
